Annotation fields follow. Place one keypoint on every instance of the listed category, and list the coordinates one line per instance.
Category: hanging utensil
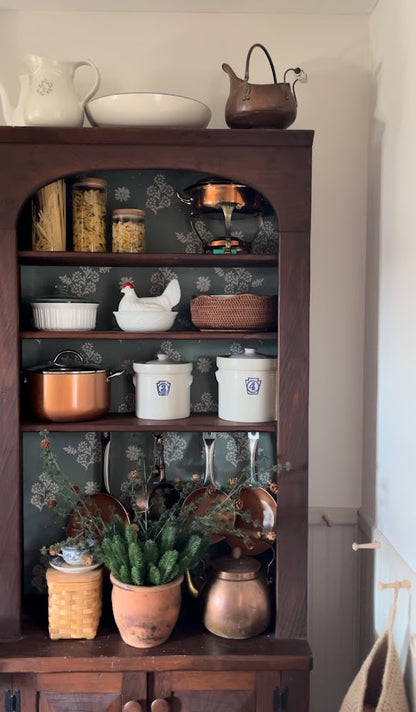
(261, 506)
(209, 494)
(100, 504)
(155, 497)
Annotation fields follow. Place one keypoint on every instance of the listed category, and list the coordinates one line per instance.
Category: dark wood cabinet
(194, 671)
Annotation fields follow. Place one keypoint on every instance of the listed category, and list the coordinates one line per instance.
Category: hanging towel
(378, 686)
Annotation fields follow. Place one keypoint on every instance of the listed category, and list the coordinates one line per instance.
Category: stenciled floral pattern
(87, 452)
(159, 194)
(122, 194)
(83, 281)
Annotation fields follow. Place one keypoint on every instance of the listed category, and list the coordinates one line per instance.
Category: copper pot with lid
(237, 600)
(68, 390)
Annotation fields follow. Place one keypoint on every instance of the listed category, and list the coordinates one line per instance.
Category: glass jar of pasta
(128, 230)
(89, 214)
(49, 217)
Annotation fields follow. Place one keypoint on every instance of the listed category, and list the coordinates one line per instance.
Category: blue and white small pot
(74, 556)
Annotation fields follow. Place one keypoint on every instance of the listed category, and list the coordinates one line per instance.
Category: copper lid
(236, 567)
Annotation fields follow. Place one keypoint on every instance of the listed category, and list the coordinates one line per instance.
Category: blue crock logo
(253, 386)
(163, 388)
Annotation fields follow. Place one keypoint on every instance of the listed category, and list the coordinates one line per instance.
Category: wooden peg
(369, 545)
(394, 584)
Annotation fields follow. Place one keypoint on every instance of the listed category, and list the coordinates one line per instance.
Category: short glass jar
(89, 214)
(128, 231)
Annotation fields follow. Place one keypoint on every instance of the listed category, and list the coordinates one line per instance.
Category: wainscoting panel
(386, 565)
(332, 607)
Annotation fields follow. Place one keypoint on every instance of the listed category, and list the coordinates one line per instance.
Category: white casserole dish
(64, 315)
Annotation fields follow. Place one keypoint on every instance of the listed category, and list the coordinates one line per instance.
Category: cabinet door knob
(159, 705)
(132, 706)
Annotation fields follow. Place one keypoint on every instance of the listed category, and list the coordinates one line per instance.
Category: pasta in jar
(128, 232)
(89, 215)
(49, 218)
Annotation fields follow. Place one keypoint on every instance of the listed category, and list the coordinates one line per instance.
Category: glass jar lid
(90, 182)
(134, 212)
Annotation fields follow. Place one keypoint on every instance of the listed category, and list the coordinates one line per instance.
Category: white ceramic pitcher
(52, 99)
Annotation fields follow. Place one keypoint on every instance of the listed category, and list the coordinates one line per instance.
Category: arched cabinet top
(276, 163)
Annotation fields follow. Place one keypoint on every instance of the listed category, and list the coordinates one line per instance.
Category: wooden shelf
(26, 257)
(171, 335)
(197, 422)
(35, 653)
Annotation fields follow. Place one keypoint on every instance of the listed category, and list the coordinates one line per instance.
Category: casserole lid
(62, 300)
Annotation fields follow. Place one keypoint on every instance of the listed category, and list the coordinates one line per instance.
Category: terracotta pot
(146, 615)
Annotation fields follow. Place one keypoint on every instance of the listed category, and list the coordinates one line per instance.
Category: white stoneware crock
(246, 387)
(163, 388)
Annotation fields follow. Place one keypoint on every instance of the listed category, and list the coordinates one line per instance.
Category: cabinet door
(229, 691)
(80, 691)
(204, 691)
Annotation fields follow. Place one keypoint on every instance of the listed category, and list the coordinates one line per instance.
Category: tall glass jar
(128, 231)
(89, 214)
(49, 217)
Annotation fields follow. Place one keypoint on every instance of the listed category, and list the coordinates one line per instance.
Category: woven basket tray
(74, 603)
(237, 312)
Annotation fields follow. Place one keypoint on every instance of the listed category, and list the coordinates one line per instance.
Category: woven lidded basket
(234, 312)
(74, 603)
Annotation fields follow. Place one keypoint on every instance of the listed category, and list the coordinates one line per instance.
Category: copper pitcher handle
(268, 57)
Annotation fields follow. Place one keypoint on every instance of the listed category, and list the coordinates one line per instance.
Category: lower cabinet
(170, 691)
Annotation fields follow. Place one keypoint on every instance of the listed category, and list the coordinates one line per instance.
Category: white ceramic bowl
(151, 320)
(143, 109)
(64, 315)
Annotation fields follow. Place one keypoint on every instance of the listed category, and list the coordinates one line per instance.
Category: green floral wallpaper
(168, 229)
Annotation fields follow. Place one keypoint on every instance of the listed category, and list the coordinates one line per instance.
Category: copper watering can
(261, 105)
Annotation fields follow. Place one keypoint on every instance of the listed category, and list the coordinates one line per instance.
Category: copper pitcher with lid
(237, 599)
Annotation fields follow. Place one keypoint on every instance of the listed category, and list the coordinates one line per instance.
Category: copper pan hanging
(209, 495)
(261, 506)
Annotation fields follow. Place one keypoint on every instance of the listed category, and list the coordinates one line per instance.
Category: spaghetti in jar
(89, 215)
(128, 231)
(49, 218)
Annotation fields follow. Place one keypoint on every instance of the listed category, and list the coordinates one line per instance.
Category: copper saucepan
(262, 508)
(206, 497)
(156, 497)
(65, 392)
(211, 193)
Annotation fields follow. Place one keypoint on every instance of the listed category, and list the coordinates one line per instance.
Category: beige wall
(389, 469)
(183, 53)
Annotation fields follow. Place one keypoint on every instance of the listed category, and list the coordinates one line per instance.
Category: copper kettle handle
(268, 57)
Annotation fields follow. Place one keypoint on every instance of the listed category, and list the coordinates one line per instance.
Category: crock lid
(162, 362)
(248, 359)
